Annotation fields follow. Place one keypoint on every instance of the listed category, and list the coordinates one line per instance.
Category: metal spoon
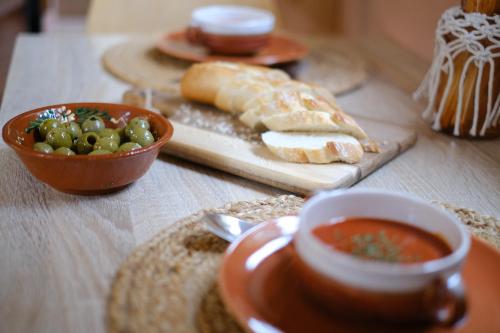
(226, 227)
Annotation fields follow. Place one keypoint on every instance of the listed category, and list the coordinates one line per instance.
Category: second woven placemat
(332, 65)
(169, 283)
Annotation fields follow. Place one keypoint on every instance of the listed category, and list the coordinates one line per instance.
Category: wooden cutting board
(205, 135)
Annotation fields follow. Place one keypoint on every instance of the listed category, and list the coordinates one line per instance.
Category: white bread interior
(313, 147)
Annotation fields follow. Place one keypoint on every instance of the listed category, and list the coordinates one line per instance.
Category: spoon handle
(216, 230)
(225, 226)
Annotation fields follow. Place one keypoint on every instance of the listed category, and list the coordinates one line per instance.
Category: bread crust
(202, 81)
(233, 96)
(348, 125)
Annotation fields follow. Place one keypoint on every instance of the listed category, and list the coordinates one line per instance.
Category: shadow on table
(221, 175)
(21, 189)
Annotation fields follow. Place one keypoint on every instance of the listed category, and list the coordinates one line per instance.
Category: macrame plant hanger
(462, 84)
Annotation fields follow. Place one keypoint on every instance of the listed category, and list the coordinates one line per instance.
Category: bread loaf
(202, 81)
(233, 96)
(267, 99)
(260, 92)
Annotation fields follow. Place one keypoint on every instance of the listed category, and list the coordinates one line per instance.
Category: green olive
(110, 133)
(43, 147)
(129, 146)
(86, 142)
(106, 144)
(139, 121)
(93, 124)
(128, 131)
(142, 136)
(47, 125)
(64, 151)
(74, 129)
(100, 152)
(59, 137)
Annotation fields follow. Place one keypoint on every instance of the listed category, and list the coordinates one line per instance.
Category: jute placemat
(168, 284)
(137, 61)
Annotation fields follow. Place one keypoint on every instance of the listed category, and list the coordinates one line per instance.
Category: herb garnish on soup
(382, 240)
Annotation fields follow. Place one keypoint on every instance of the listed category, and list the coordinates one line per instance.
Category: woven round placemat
(139, 63)
(169, 283)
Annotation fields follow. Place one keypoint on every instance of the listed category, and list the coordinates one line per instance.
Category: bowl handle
(455, 307)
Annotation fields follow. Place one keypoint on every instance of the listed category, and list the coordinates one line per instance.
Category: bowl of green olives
(87, 148)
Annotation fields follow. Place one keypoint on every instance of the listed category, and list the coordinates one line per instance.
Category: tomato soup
(382, 240)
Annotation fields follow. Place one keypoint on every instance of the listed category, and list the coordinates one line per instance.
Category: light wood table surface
(59, 252)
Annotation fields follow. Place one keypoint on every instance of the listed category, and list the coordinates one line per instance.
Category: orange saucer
(258, 286)
(279, 50)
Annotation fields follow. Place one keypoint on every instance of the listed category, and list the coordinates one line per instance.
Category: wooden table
(59, 252)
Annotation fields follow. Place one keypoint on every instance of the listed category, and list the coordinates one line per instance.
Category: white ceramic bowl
(380, 278)
(384, 205)
(232, 20)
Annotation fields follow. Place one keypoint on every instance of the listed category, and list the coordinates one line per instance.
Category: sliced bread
(270, 103)
(301, 121)
(313, 147)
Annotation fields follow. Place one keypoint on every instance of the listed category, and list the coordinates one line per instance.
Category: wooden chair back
(153, 16)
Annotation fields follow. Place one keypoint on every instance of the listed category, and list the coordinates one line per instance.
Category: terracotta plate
(280, 50)
(258, 286)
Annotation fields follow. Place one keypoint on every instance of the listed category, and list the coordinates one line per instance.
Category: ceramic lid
(232, 20)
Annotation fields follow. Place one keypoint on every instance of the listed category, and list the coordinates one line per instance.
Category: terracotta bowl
(228, 44)
(84, 174)
(234, 44)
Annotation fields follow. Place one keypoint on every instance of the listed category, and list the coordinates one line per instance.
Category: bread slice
(286, 109)
(315, 98)
(313, 147)
(270, 103)
(301, 121)
(348, 125)
(312, 96)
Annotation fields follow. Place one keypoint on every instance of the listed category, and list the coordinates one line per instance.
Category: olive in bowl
(101, 172)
